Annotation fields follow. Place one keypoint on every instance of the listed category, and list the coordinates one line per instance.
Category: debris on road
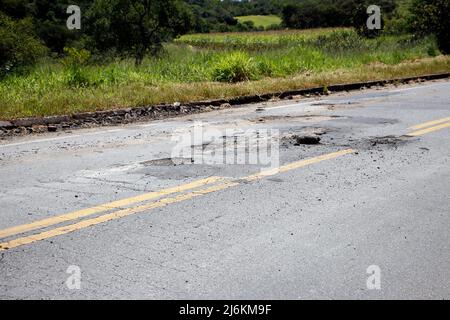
(297, 140)
(310, 140)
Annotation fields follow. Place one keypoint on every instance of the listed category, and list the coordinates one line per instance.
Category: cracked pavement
(306, 233)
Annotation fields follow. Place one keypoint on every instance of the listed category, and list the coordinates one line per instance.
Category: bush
(74, 63)
(432, 51)
(432, 16)
(266, 68)
(338, 41)
(19, 46)
(236, 67)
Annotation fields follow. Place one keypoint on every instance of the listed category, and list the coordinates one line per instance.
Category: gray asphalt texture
(309, 233)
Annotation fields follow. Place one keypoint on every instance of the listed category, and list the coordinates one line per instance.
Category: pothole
(302, 118)
(306, 136)
(372, 120)
(372, 142)
(167, 162)
(386, 140)
(308, 140)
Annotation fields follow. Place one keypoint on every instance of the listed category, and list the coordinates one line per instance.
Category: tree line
(30, 29)
(420, 17)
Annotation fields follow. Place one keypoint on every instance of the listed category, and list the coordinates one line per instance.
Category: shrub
(432, 50)
(235, 67)
(19, 46)
(74, 63)
(338, 41)
(432, 16)
(266, 68)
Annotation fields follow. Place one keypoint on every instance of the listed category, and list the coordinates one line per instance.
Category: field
(261, 21)
(260, 40)
(208, 66)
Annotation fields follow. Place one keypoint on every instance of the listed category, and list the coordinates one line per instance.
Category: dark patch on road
(304, 136)
(168, 162)
(372, 142)
(392, 141)
(309, 140)
(372, 120)
(181, 172)
(296, 118)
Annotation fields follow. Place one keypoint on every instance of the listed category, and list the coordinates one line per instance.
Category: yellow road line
(162, 202)
(429, 123)
(428, 130)
(104, 207)
(298, 164)
(111, 216)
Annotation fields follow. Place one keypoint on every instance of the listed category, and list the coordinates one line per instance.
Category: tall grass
(258, 40)
(185, 72)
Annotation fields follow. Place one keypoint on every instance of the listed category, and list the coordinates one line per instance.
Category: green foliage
(340, 41)
(334, 13)
(136, 27)
(265, 22)
(398, 23)
(433, 51)
(360, 16)
(267, 67)
(17, 9)
(74, 64)
(50, 18)
(235, 67)
(183, 72)
(218, 16)
(256, 41)
(314, 14)
(432, 16)
(19, 46)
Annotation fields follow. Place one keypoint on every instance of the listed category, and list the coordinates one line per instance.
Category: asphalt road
(139, 220)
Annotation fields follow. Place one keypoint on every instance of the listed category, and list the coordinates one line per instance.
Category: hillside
(260, 20)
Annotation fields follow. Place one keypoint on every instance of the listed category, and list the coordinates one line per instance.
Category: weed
(235, 67)
(74, 63)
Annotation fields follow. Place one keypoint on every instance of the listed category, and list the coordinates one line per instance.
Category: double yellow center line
(429, 127)
(104, 207)
(218, 184)
(123, 208)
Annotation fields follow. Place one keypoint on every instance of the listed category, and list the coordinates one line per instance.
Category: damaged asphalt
(303, 234)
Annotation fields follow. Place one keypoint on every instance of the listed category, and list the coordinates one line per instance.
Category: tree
(48, 18)
(136, 27)
(360, 16)
(19, 45)
(318, 13)
(432, 16)
(333, 13)
(17, 9)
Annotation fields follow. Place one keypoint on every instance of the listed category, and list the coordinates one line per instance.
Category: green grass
(258, 40)
(261, 21)
(188, 73)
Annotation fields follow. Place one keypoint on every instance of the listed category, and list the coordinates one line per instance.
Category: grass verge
(185, 73)
(69, 101)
